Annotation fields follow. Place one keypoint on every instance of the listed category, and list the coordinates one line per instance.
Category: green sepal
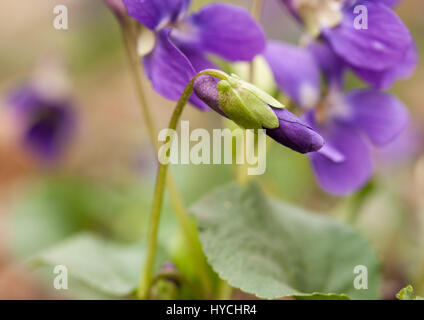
(261, 111)
(236, 82)
(247, 105)
(262, 95)
(232, 105)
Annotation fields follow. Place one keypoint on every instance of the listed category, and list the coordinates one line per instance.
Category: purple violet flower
(405, 149)
(291, 132)
(379, 54)
(350, 124)
(47, 124)
(295, 72)
(182, 42)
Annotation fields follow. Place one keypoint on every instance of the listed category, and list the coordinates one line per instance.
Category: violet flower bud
(291, 131)
(167, 284)
(295, 134)
(247, 105)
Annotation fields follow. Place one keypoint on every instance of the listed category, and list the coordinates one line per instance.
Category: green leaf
(273, 250)
(106, 266)
(46, 212)
(49, 210)
(407, 293)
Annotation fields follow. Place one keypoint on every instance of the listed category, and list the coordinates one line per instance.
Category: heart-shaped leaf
(106, 266)
(273, 250)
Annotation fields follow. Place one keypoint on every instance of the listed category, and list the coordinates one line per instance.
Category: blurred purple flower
(292, 132)
(47, 124)
(182, 41)
(350, 124)
(379, 54)
(404, 149)
(295, 71)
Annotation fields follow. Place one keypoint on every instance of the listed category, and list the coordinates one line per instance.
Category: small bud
(295, 134)
(168, 268)
(242, 103)
(167, 285)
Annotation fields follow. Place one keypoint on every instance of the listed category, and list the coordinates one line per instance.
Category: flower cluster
(176, 45)
(350, 122)
(379, 49)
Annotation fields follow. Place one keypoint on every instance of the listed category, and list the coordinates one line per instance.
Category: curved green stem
(129, 32)
(147, 272)
(356, 203)
(136, 68)
(191, 236)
